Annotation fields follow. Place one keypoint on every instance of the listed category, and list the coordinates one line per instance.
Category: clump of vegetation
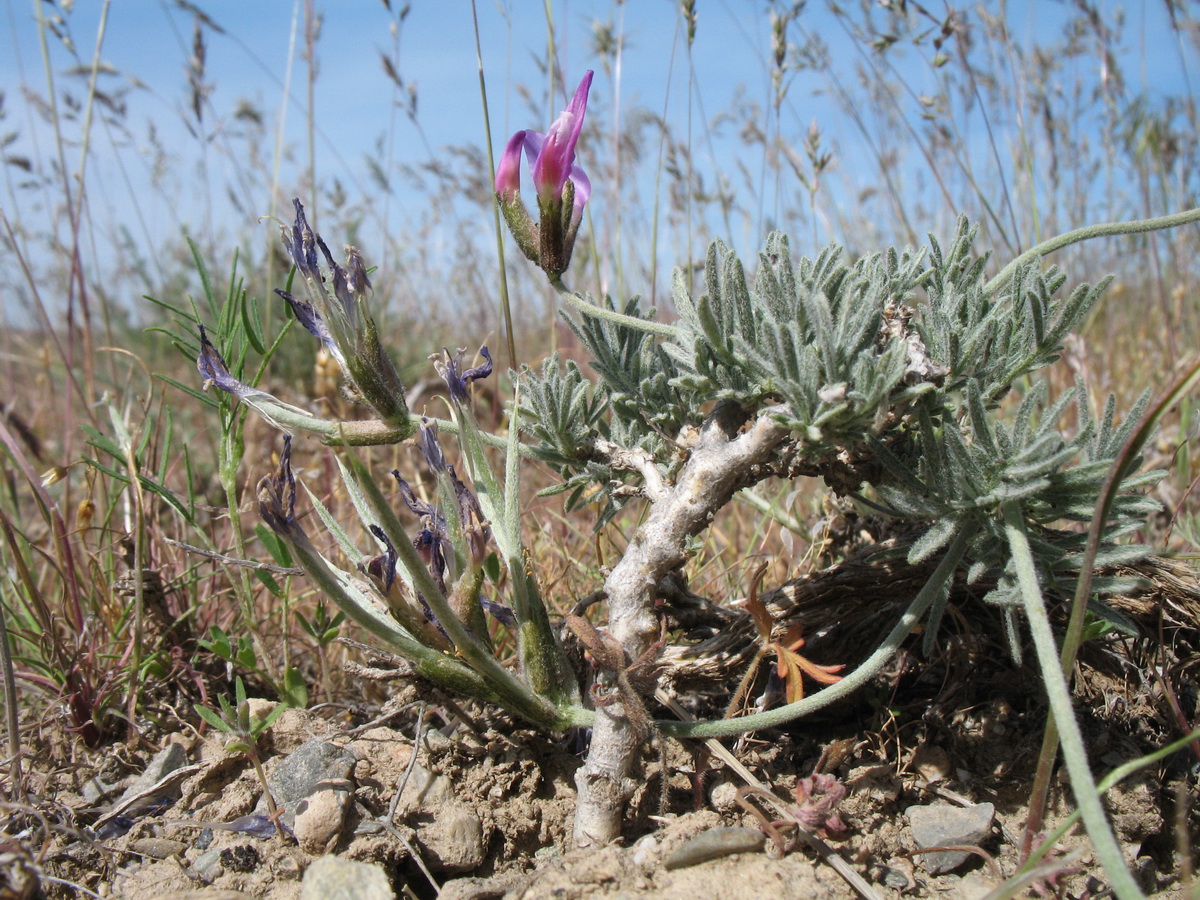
(887, 377)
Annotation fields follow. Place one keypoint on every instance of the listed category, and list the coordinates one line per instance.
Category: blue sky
(147, 42)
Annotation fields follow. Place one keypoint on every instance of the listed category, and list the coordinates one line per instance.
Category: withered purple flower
(471, 519)
(429, 544)
(277, 496)
(432, 541)
(499, 612)
(430, 448)
(350, 282)
(336, 313)
(212, 366)
(308, 316)
(449, 367)
(383, 567)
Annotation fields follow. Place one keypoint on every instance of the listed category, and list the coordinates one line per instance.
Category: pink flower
(551, 157)
(508, 173)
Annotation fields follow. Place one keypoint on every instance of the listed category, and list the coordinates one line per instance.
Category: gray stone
(171, 757)
(208, 866)
(96, 789)
(333, 878)
(314, 766)
(940, 825)
(424, 792)
(714, 844)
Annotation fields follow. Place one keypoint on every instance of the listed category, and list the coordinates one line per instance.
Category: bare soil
(486, 809)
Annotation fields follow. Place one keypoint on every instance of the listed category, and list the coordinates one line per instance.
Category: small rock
(206, 895)
(333, 878)
(932, 763)
(940, 824)
(876, 783)
(714, 844)
(158, 848)
(1146, 872)
(288, 866)
(644, 850)
(95, 790)
(319, 820)
(493, 888)
(207, 866)
(897, 878)
(454, 841)
(974, 886)
(171, 757)
(723, 797)
(315, 766)
(424, 791)
(259, 708)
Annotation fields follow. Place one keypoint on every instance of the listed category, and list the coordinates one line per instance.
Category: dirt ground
(485, 809)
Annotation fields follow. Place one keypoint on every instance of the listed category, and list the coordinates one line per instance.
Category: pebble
(724, 797)
(313, 786)
(319, 820)
(454, 841)
(940, 824)
(171, 757)
(158, 848)
(207, 866)
(205, 895)
(644, 850)
(714, 844)
(474, 889)
(333, 878)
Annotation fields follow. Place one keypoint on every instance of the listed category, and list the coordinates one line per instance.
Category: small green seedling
(292, 690)
(324, 630)
(234, 719)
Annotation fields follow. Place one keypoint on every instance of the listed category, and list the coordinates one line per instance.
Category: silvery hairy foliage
(894, 375)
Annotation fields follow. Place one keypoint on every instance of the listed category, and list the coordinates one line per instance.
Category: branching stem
(717, 468)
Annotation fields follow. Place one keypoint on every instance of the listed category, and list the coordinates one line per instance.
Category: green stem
(430, 663)
(1116, 776)
(1073, 636)
(505, 307)
(597, 312)
(856, 679)
(1059, 695)
(514, 694)
(231, 451)
(1086, 234)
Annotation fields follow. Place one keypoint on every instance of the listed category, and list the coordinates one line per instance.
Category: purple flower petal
(212, 366)
(449, 367)
(508, 172)
(556, 156)
(277, 494)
